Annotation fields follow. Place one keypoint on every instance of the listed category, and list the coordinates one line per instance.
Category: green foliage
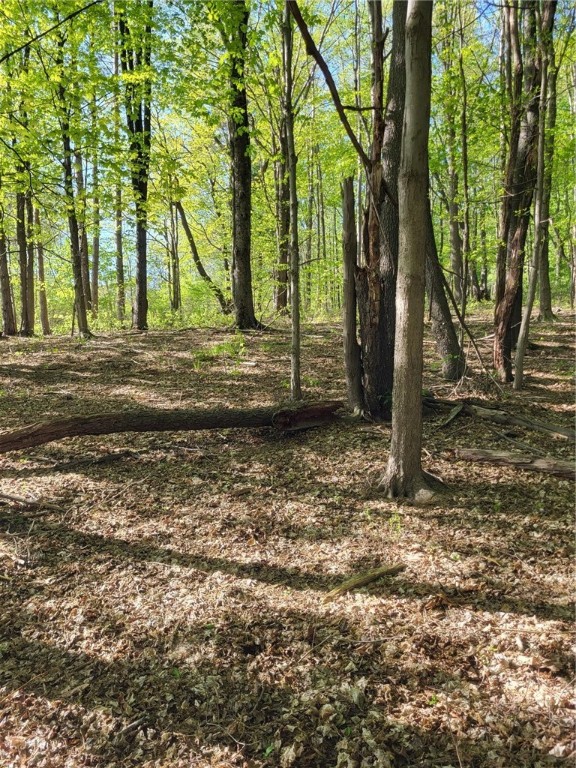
(196, 46)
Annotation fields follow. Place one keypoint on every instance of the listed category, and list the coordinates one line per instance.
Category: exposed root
(422, 490)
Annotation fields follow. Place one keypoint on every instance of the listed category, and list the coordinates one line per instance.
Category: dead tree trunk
(150, 420)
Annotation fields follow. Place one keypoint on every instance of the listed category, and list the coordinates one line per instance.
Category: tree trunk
(68, 173)
(224, 304)
(6, 297)
(174, 260)
(404, 475)
(25, 321)
(82, 229)
(352, 353)
(118, 215)
(447, 345)
(135, 58)
(521, 180)
(282, 222)
(42, 295)
(376, 278)
(30, 243)
(546, 312)
(95, 234)
(291, 160)
(239, 129)
(154, 420)
(538, 221)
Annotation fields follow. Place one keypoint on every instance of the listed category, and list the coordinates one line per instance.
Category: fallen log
(549, 465)
(150, 420)
(496, 416)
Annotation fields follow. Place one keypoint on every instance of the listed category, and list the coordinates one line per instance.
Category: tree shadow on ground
(231, 692)
(491, 594)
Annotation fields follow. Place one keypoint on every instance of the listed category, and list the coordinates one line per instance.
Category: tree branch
(47, 31)
(313, 51)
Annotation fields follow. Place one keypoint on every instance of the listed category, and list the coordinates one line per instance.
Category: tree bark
(149, 420)
(42, 295)
(8, 314)
(521, 180)
(68, 172)
(239, 130)
(25, 322)
(404, 476)
(546, 464)
(352, 353)
(291, 160)
(135, 58)
(82, 229)
(282, 222)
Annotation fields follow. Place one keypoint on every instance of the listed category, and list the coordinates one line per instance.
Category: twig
(34, 503)
(362, 579)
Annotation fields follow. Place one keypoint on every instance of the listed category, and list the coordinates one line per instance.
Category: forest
(287, 294)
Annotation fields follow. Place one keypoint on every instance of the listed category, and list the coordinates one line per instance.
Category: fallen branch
(364, 578)
(150, 420)
(32, 503)
(549, 465)
(497, 416)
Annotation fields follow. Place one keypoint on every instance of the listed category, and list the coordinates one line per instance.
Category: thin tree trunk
(282, 222)
(8, 314)
(25, 327)
(30, 242)
(546, 312)
(352, 353)
(118, 215)
(42, 295)
(79, 311)
(82, 230)
(287, 49)
(224, 305)
(95, 235)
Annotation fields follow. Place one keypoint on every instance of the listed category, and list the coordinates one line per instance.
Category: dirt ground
(169, 608)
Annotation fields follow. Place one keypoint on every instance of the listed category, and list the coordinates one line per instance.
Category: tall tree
(404, 475)
(135, 58)
(525, 61)
(291, 160)
(232, 22)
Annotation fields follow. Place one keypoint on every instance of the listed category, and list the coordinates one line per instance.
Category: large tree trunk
(404, 475)
(135, 59)
(521, 180)
(239, 129)
(376, 278)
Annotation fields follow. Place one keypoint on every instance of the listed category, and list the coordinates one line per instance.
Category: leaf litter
(167, 604)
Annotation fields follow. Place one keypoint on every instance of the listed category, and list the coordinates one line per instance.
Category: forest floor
(170, 608)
